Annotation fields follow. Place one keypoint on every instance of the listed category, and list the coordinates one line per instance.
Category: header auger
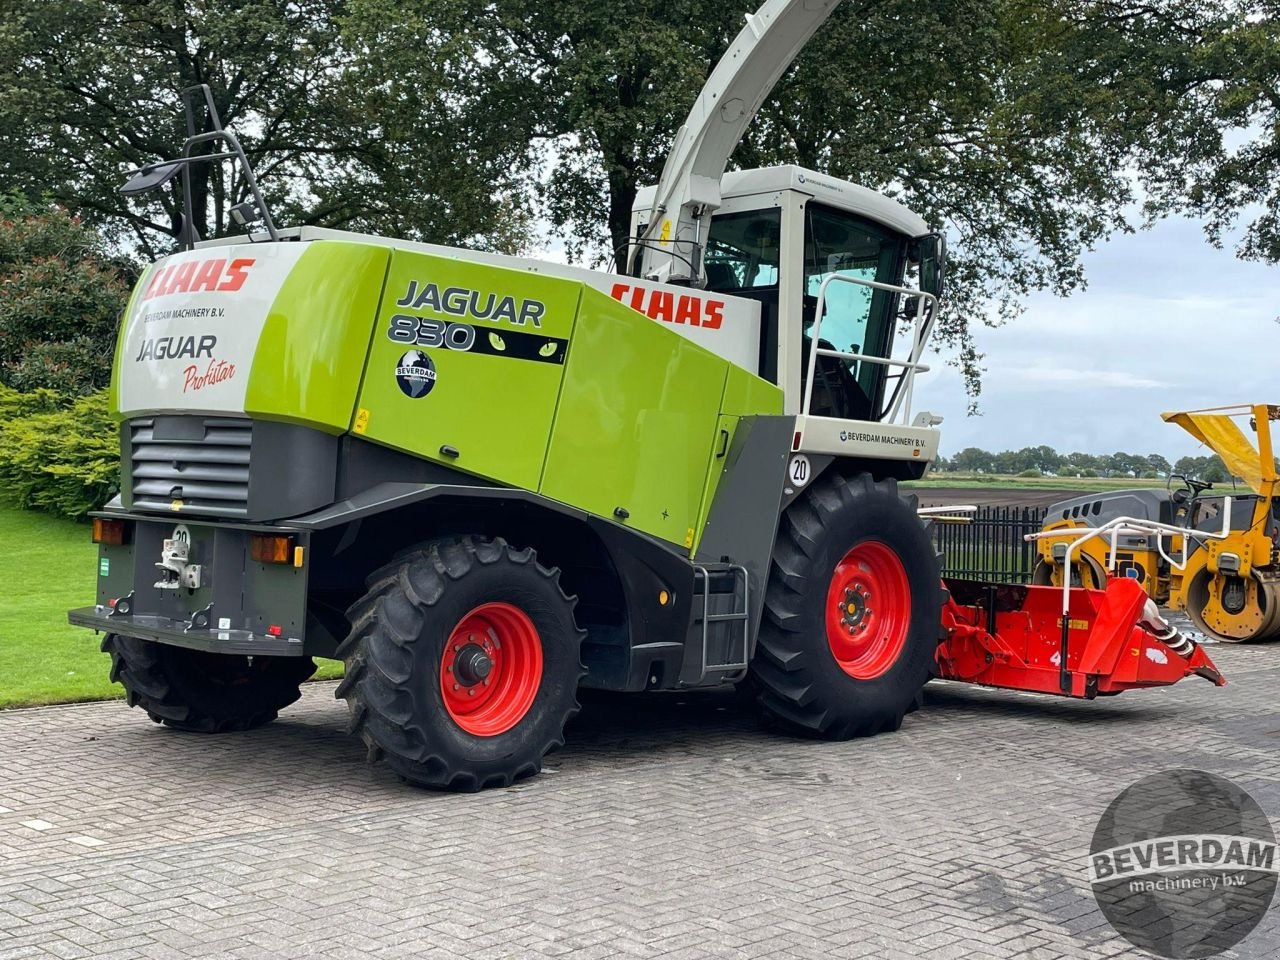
(484, 481)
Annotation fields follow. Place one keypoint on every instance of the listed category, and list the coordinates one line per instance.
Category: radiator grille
(208, 470)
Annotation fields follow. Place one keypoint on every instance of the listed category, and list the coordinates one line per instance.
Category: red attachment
(491, 669)
(1008, 635)
(868, 610)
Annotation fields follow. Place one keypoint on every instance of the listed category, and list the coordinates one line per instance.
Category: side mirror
(150, 178)
(932, 250)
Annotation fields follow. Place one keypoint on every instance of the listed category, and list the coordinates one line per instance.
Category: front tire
(204, 692)
(852, 611)
(462, 664)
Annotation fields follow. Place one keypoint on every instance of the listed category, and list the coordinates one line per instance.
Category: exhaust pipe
(1160, 628)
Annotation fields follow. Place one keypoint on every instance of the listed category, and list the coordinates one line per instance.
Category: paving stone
(674, 826)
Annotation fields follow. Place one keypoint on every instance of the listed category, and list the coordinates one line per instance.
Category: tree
(973, 460)
(1125, 464)
(95, 93)
(1016, 124)
(60, 300)
(1029, 128)
(1083, 464)
(1209, 468)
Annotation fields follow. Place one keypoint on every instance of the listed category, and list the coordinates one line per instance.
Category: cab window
(856, 318)
(742, 251)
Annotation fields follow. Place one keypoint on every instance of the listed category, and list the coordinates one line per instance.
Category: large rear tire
(462, 664)
(204, 692)
(852, 611)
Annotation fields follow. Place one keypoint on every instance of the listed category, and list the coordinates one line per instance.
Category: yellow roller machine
(1224, 571)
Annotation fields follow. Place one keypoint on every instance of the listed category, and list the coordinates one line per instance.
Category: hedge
(56, 455)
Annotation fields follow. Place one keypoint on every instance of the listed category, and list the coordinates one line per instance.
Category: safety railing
(1114, 530)
(921, 326)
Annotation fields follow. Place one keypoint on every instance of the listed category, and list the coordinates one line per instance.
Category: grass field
(987, 481)
(47, 566)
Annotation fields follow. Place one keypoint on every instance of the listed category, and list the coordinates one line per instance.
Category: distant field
(986, 481)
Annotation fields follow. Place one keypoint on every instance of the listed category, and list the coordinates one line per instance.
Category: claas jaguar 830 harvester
(484, 481)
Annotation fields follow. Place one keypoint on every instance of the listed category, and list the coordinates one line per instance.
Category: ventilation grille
(209, 475)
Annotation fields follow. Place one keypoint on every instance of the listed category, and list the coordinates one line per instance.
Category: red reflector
(110, 532)
(112, 602)
(274, 630)
(795, 442)
(271, 548)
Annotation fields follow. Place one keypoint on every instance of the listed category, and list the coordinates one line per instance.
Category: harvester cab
(1208, 551)
(484, 481)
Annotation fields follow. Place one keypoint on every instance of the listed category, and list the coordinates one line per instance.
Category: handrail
(920, 336)
(1129, 526)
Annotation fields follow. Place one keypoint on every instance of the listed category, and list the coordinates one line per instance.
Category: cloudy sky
(1167, 323)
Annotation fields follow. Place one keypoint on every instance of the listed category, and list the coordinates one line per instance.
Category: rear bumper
(176, 633)
(233, 603)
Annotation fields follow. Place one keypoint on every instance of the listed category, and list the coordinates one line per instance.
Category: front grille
(202, 461)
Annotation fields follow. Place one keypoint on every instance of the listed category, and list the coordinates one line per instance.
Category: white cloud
(1039, 375)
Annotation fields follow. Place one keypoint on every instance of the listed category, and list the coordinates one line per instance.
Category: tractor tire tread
(378, 670)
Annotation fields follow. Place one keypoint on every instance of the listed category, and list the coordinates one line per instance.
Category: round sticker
(799, 470)
(1183, 864)
(415, 374)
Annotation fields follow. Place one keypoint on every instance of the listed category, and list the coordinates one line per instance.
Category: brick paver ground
(669, 827)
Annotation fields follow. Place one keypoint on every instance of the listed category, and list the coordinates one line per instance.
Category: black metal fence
(991, 545)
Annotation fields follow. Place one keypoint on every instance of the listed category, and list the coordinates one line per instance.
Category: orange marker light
(271, 548)
(110, 532)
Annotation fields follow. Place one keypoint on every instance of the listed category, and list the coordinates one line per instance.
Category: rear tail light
(111, 532)
(271, 548)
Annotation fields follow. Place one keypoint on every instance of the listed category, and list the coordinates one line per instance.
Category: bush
(14, 404)
(60, 458)
(1031, 472)
(60, 301)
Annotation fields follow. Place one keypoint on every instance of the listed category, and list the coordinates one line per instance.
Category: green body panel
(493, 403)
(312, 350)
(636, 423)
(113, 392)
(532, 380)
(744, 395)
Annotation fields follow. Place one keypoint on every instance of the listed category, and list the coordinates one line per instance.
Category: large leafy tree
(1031, 129)
(94, 91)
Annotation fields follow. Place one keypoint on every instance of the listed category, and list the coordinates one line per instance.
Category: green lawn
(47, 566)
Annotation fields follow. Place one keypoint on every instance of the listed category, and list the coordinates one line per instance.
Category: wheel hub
(853, 610)
(1233, 595)
(491, 668)
(472, 665)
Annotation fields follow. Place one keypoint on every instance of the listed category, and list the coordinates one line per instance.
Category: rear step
(721, 601)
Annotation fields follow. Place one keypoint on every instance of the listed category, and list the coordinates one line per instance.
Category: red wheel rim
(868, 610)
(491, 669)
